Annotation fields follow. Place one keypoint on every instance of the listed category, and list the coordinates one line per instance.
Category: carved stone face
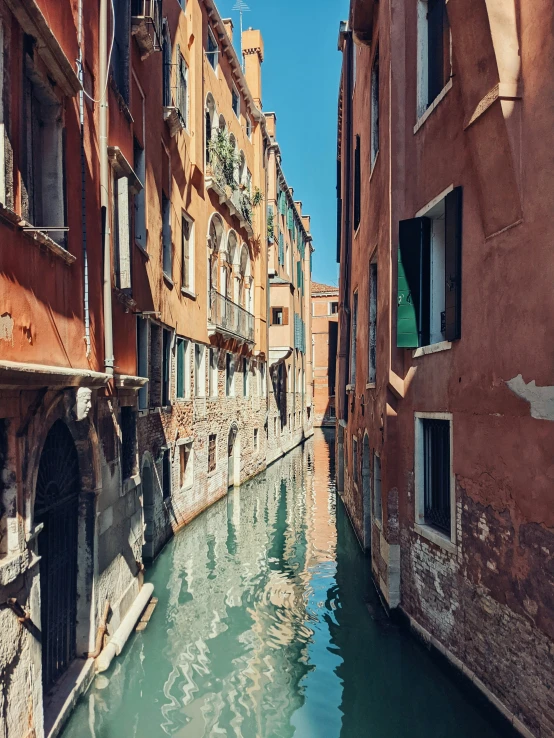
(84, 403)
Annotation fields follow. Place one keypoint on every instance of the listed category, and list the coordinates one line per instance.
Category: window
(256, 440)
(199, 370)
(262, 379)
(212, 50)
(377, 501)
(430, 274)
(213, 377)
(155, 366)
(128, 442)
(229, 375)
(235, 101)
(434, 61)
(245, 377)
(248, 127)
(187, 276)
(183, 91)
(142, 360)
(166, 366)
(331, 412)
(333, 308)
(186, 460)
(166, 66)
(354, 65)
(166, 473)
(354, 339)
(375, 109)
(357, 184)
(183, 368)
(42, 195)
(166, 237)
(122, 233)
(433, 471)
(120, 51)
(212, 453)
(279, 316)
(140, 197)
(372, 322)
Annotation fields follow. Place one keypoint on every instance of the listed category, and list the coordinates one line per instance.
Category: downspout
(83, 180)
(104, 184)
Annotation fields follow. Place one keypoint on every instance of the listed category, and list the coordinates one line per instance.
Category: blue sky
(300, 84)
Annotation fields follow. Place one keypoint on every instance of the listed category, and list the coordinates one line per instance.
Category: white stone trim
(433, 348)
(439, 98)
(435, 201)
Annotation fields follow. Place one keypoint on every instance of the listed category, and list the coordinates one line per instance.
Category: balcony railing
(230, 318)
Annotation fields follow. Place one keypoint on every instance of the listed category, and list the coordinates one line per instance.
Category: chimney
(228, 23)
(253, 52)
(271, 124)
(298, 204)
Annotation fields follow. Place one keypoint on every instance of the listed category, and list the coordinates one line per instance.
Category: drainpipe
(83, 180)
(104, 183)
(121, 635)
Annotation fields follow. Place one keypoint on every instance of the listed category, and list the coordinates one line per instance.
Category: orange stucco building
(134, 298)
(325, 308)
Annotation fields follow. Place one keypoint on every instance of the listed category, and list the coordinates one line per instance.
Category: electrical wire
(108, 64)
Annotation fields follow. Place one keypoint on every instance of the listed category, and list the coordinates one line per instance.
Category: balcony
(230, 193)
(146, 25)
(230, 319)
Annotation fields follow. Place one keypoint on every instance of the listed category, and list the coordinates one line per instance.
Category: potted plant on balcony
(223, 160)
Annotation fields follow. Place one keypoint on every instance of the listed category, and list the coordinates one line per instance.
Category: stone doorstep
(60, 703)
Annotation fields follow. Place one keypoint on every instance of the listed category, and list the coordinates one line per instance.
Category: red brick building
(325, 308)
(444, 387)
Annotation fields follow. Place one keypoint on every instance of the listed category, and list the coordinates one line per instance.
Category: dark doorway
(57, 508)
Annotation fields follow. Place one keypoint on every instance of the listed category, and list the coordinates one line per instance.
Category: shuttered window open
(453, 265)
(357, 184)
(412, 321)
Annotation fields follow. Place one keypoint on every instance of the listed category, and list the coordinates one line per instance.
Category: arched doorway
(233, 458)
(57, 509)
(147, 482)
(366, 486)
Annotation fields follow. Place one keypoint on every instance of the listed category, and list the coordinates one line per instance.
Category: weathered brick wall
(196, 419)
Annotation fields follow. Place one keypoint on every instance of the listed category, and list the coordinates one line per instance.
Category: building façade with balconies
(290, 410)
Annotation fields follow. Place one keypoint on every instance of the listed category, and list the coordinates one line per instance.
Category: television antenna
(241, 7)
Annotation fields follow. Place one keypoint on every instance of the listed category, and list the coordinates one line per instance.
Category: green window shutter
(180, 368)
(412, 320)
(453, 265)
(281, 250)
(289, 219)
(282, 203)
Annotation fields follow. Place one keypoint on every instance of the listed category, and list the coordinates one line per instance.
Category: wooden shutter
(123, 233)
(412, 320)
(453, 264)
(285, 316)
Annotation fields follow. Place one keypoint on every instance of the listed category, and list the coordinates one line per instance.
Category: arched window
(215, 240)
(233, 142)
(166, 67)
(242, 169)
(230, 264)
(245, 280)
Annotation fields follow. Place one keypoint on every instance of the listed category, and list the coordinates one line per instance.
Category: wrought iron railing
(230, 317)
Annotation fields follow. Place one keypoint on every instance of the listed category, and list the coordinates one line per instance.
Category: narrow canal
(263, 631)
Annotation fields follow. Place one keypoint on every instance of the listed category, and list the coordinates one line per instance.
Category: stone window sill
(130, 483)
(41, 238)
(433, 348)
(168, 281)
(142, 250)
(370, 385)
(439, 539)
(439, 98)
(373, 165)
(188, 293)
(350, 388)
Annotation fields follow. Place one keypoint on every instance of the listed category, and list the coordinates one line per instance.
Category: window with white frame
(122, 233)
(186, 459)
(187, 246)
(375, 108)
(372, 373)
(167, 254)
(377, 499)
(213, 376)
(183, 368)
(212, 49)
(434, 485)
(199, 370)
(333, 308)
(248, 127)
(42, 170)
(433, 53)
(235, 101)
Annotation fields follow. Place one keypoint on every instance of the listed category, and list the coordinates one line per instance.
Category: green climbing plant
(223, 158)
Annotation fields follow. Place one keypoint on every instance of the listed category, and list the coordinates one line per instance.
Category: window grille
(212, 453)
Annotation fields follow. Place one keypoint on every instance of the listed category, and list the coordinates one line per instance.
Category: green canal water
(263, 630)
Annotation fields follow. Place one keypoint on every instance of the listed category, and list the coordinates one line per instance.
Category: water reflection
(262, 631)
